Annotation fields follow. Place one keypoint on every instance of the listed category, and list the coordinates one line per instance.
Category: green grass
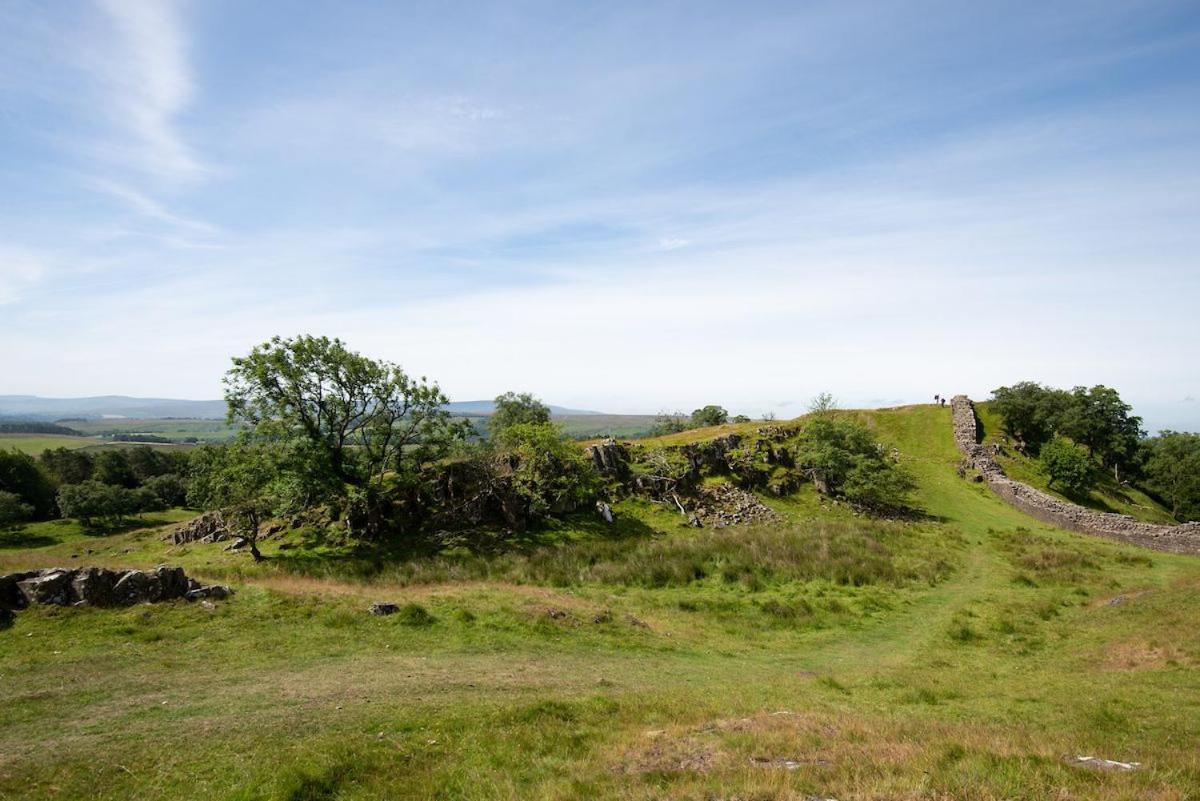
(965, 655)
(34, 444)
(180, 430)
(1107, 496)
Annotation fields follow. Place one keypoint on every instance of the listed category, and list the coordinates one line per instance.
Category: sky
(629, 207)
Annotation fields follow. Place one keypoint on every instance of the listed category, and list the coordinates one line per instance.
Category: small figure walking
(936, 398)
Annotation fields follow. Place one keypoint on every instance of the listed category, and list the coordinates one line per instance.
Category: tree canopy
(1171, 462)
(517, 409)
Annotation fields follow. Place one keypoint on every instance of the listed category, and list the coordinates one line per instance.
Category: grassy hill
(973, 653)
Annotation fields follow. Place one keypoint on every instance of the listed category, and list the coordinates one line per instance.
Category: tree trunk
(252, 538)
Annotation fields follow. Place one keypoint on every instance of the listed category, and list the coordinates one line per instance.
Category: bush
(170, 489)
(23, 477)
(1068, 466)
(844, 459)
(94, 502)
(710, 415)
(13, 510)
(549, 472)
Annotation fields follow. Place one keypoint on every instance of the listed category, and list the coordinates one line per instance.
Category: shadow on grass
(362, 559)
(19, 538)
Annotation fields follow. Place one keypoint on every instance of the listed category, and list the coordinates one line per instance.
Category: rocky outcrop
(208, 527)
(610, 457)
(100, 586)
(1183, 538)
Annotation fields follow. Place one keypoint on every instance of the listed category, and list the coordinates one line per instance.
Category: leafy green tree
(350, 422)
(67, 465)
(669, 423)
(112, 467)
(362, 418)
(1099, 420)
(21, 475)
(13, 510)
(517, 409)
(1068, 466)
(843, 459)
(147, 462)
(824, 403)
(243, 482)
(93, 502)
(1171, 462)
(170, 488)
(710, 415)
(740, 418)
(1029, 413)
(550, 473)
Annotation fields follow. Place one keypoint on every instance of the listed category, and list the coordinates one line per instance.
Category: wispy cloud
(147, 73)
(19, 271)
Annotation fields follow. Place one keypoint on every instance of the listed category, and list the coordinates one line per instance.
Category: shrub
(710, 415)
(93, 502)
(844, 459)
(1068, 466)
(550, 473)
(23, 477)
(13, 510)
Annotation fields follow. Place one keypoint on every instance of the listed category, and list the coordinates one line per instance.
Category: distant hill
(32, 407)
(483, 408)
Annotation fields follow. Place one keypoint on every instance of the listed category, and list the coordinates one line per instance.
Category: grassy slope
(976, 686)
(1107, 496)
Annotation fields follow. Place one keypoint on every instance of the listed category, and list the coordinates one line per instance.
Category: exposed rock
(384, 609)
(7, 617)
(218, 591)
(610, 457)
(721, 505)
(208, 527)
(605, 511)
(98, 586)
(51, 587)
(11, 597)
(94, 585)
(1184, 538)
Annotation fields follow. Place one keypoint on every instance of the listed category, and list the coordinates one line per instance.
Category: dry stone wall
(1183, 538)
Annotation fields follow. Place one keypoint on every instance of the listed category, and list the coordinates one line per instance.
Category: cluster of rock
(722, 505)
(208, 527)
(1183, 538)
(99, 586)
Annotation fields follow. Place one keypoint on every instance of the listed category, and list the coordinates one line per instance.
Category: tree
(1172, 466)
(513, 409)
(348, 422)
(170, 488)
(21, 475)
(1099, 420)
(669, 423)
(13, 510)
(550, 473)
(823, 403)
(112, 467)
(147, 462)
(843, 458)
(1065, 464)
(710, 415)
(1029, 413)
(94, 502)
(241, 481)
(68, 466)
(739, 418)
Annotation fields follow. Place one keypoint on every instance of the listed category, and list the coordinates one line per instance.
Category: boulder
(135, 587)
(11, 596)
(218, 591)
(172, 582)
(7, 618)
(51, 587)
(384, 609)
(94, 585)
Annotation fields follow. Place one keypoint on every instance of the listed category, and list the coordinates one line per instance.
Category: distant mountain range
(32, 407)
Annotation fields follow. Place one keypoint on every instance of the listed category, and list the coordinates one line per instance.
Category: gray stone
(172, 582)
(217, 591)
(11, 596)
(135, 587)
(384, 609)
(94, 586)
(51, 587)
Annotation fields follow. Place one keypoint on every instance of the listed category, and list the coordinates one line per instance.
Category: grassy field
(34, 444)
(1107, 496)
(971, 654)
(178, 430)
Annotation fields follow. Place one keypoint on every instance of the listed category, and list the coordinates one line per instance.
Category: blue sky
(626, 206)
